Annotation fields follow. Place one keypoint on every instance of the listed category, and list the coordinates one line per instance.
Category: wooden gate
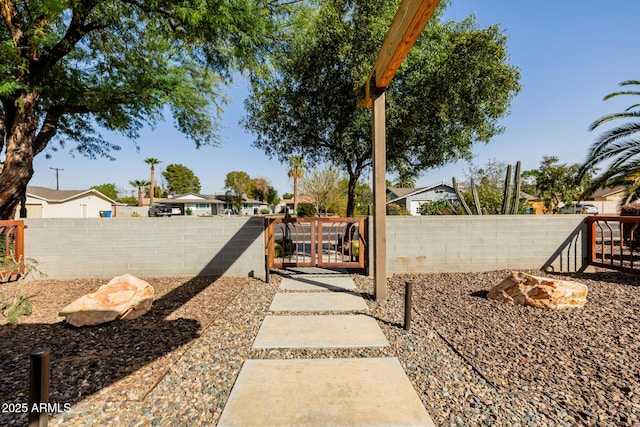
(316, 242)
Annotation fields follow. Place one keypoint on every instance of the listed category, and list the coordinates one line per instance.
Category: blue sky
(570, 54)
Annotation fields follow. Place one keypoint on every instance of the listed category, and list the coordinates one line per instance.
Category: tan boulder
(541, 292)
(124, 297)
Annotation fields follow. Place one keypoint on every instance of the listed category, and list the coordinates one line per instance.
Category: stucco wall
(189, 246)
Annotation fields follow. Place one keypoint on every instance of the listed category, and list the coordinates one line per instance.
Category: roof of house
(402, 193)
(62, 196)
(604, 192)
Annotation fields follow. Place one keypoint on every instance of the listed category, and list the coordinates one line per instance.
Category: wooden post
(379, 198)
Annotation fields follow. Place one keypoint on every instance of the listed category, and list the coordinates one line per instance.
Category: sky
(570, 53)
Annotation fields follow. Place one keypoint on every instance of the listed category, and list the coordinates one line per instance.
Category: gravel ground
(472, 360)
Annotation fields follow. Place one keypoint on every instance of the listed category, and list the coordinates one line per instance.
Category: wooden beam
(379, 198)
(407, 25)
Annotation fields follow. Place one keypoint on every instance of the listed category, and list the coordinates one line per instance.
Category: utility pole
(57, 178)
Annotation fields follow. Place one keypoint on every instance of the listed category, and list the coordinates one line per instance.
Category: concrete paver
(340, 331)
(338, 301)
(317, 284)
(323, 392)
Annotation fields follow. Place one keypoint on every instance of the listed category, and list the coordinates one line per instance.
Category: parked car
(580, 208)
(160, 210)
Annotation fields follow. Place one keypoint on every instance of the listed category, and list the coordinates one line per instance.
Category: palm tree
(139, 184)
(620, 145)
(152, 161)
(296, 171)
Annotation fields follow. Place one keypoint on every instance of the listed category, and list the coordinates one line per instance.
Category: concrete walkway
(358, 392)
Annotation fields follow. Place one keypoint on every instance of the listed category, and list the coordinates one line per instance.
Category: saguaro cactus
(516, 191)
(506, 194)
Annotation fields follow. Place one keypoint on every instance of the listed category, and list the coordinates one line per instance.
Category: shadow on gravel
(88, 359)
(479, 294)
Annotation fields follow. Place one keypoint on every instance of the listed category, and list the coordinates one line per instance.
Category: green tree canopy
(71, 68)
(181, 179)
(237, 183)
(558, 183)
(110, 190)
(450, 93)
(620, 146)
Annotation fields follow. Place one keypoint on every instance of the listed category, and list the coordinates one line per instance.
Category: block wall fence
(186, 246)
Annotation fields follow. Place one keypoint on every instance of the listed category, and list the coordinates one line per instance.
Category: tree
(297, 166)
(364, 197)
(71, 68)
(110, 190)
(259, 188)
(449, 94)
(489, 181)
(139, 183)
(152, 161)
(272, 197)
(620, 145)
(322, 186)
(237, 183)
(181, 179)
(559, 183)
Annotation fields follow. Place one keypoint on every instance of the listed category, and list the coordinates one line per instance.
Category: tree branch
(13, 20)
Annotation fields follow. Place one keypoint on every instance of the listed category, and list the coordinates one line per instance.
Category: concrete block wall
(484, 243)
(146, 247)
(191, 246)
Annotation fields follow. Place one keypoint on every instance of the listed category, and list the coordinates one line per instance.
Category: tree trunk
(351, 195)
(139, 196)
(295, 195)
(18, 167)
(151, 192)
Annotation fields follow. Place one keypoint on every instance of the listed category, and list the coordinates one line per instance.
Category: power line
(57, 178)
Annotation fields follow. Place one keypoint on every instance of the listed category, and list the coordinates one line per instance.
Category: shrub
(265, 211)
(630, 210)
(306, 210)
(189, 211)
(394, 209)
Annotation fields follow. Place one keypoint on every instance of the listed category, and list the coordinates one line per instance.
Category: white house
(44, 202)
(412, 198)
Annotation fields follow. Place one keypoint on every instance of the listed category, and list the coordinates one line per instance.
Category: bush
(306, 210)
(630, 210)
(265, 211)
(394, 209)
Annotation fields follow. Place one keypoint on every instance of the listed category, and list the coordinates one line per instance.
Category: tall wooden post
(379, 197)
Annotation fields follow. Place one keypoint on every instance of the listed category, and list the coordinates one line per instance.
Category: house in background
(209, 204)
(608, 200)
(412, 198)
(44, 202)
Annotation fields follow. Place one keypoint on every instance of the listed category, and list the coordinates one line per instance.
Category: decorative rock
(524, 289)
(124, 297)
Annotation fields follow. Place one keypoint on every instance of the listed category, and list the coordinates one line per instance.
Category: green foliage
(307, 104)
(438, 207)
(12, 308)
(557, 183)
(237, 183)
(110, 190)
(188, 211)
(287, 196)
(618, 147)
(181, 179)
(395, 209)
(129, 201)
(70, 69)
(489, 180)
(306, 210)
(272, 196)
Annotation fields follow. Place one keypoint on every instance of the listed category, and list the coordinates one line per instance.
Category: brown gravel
(531, 366)
(472, 360)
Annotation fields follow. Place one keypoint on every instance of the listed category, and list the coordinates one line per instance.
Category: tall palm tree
(296, 172)
(139, 184)
(620, 145)
(152, 161)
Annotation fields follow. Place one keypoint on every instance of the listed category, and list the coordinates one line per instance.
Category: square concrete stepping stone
(338, 301)
(317, 283)
(342, 331)
(323, 392)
